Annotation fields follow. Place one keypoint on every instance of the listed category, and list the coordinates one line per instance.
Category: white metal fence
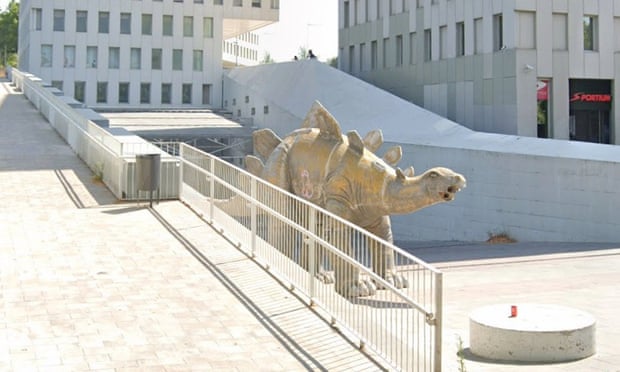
(294, 238)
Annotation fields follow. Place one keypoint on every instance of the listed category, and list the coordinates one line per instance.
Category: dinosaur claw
(326, 277)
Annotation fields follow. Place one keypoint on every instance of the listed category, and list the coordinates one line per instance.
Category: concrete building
(534, 68)
(144, 54)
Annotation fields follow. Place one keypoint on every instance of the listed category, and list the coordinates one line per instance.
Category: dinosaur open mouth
(448, 195)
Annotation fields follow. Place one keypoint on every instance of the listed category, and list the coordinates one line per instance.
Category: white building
(526, 67)
(136, 53)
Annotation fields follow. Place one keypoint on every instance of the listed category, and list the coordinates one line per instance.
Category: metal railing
(305, 246)
(110, 159)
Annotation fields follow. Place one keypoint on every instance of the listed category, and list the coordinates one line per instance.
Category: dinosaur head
(410, 193)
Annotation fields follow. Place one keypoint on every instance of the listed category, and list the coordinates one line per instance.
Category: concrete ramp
(532, 189)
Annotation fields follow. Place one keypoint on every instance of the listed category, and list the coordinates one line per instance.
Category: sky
(312, 24)
(4, 4)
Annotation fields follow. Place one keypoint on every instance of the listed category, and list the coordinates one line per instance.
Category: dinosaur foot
(359, 288)
(326, 277)
(395, 279)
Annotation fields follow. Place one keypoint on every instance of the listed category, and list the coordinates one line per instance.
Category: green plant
(500, 238)
(460, 354)
(98, 172)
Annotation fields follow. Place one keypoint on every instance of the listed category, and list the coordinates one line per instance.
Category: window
(617, 32)
(206, 94)
(460, 39)
(147, 24)
(197, 60)
(443, 42)
(123, 92)
(384, 50)
(46, 55)
(156, 58)
(351, 58)
(57, 84)
(543, 88)
(373, 55)
(102, 92)
(590, 33)
(135, 60)
(69, 60)
(478, 36)
(428, 47)
(114, 57)
(59, 20)
(81, 21)
(188, 26)
(346, 12)
(256, 3)
(207, 27)
(37, 14)
(275, 4)
(560, 31)
(413, 44)
(218, 2)
(104, 22)
(91, 56)
(237, 2)
(125, 23)
(145, 92)
(166, 93)
(198, 1)
(399, 50)
(187, 93)
(167, 25)
(362, 57)
(79, 88)
(526, 37)
(498, 32)
(177, 59)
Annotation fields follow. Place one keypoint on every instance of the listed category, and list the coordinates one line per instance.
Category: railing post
(181, 164)
(312, 264)
(211, 188)
(438, 328)
(253, 216)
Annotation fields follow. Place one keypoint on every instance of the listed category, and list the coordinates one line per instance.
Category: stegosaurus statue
(342, 174)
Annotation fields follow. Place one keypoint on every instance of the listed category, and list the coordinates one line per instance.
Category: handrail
(404, 325)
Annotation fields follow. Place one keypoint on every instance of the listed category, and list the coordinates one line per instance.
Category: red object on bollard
(513, 311)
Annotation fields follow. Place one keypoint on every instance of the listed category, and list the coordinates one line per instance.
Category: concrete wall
(533, 189)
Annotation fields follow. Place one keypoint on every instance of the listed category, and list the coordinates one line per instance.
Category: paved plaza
(91, 283)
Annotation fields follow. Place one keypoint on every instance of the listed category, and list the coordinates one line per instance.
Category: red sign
(542, 90)
(586, 97)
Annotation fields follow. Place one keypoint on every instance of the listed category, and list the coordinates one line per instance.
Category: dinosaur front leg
(383, 261)
(347, 279)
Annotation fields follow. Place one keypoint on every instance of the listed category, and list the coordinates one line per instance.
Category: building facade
(536, 68)
(136, 53)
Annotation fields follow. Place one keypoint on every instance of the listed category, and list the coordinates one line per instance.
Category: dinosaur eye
(433, 174)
